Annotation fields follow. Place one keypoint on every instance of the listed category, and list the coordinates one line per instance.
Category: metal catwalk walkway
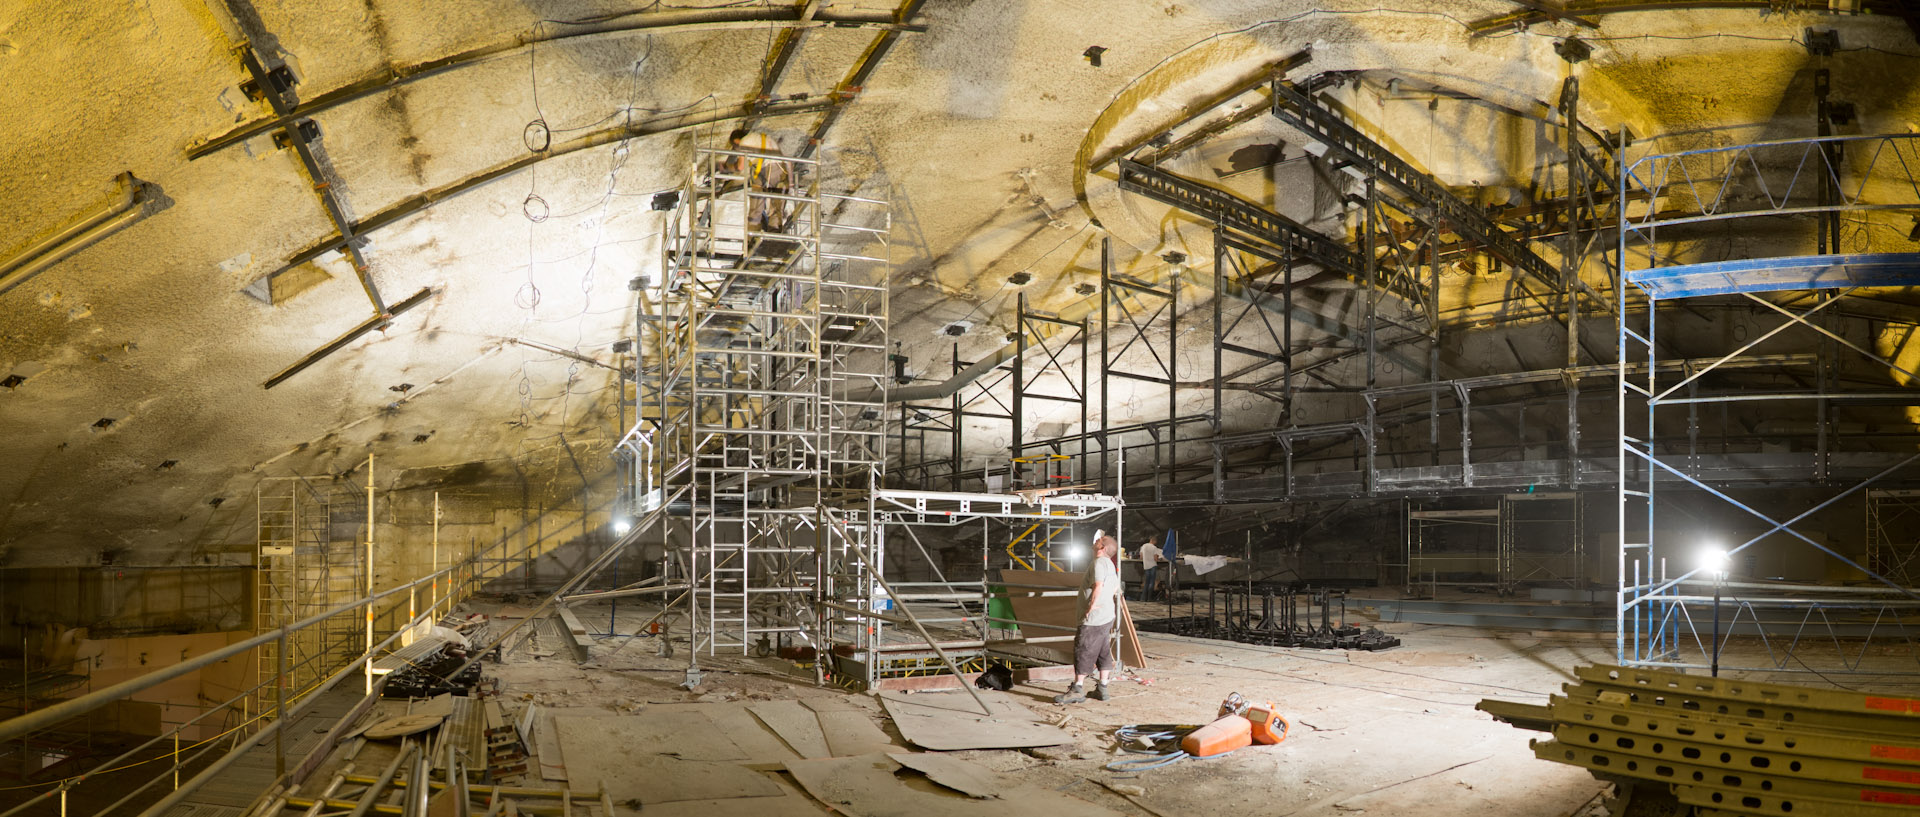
(229, 794)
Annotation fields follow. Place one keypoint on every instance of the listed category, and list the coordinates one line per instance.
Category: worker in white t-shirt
(1150, 568)
(1092, 641)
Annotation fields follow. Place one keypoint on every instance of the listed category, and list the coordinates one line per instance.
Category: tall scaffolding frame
(761, 421)
(300, 571)
(1667, 593)
(1893, 534)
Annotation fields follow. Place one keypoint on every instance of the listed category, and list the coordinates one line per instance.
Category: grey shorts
(1093, 647)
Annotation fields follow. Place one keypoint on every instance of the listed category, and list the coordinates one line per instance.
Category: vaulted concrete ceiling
(138, 423)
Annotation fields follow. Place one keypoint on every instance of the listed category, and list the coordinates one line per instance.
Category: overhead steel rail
(387, 78)
(1320, 123)
(1169, 147)
(856, 80)
(1575, 11)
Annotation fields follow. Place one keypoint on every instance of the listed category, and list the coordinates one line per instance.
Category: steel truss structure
(1407, 228)
(1664, 602)
(1051, 379)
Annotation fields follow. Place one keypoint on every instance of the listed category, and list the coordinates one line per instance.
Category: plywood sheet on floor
(796, 725)
(952, 772)
(1062, 611)
(849, 730)
(867, 786)
(782, 806)
(759, 743)
(947, 722)
(608, 749)
(658, 780)
(546, 748)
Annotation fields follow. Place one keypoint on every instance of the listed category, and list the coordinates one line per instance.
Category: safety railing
(257, 712)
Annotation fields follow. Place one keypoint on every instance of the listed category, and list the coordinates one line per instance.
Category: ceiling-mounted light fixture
(127, 208)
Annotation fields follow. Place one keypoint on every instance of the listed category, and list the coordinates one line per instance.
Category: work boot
(1074, 694)
(1100, 692)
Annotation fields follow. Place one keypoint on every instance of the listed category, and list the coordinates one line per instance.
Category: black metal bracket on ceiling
(276, 86)
(1320, 123)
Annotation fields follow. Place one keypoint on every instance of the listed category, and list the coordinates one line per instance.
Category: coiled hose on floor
(1164, 745)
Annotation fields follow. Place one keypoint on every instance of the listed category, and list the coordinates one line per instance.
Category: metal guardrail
(460, 580)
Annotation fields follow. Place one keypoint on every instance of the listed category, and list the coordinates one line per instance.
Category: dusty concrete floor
(1392, 732)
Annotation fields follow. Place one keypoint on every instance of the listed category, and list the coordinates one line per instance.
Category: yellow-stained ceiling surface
(503, 157)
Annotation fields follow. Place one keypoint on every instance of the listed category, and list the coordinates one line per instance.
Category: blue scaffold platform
(1887, 269)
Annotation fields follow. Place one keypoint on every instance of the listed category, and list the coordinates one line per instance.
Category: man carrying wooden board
(1093, 641)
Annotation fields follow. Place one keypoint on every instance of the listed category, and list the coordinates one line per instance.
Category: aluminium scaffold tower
(300, 572)
(1682, 599)
(759, 411)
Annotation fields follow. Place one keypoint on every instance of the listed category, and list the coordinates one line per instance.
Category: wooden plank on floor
(782, 806)
(631, 759)
(546, 747)
(945, 723)
(796, 725)
(866, 786)
(573, 634)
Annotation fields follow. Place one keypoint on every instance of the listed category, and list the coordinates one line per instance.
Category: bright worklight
(1075, 551)
(1715, 560)
(621, 527)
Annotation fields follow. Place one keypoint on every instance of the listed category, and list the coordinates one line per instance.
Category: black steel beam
(283, 101)
(416, 204)
(1347, 143)
(785, 47)
(1245, 217)
(856, 80)
(335, 345)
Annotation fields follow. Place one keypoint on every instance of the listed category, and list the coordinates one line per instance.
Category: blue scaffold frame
(1660, 609)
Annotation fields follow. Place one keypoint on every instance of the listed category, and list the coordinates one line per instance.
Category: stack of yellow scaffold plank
(1730, 746)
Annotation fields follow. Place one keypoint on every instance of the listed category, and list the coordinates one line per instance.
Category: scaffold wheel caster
(763, 649)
